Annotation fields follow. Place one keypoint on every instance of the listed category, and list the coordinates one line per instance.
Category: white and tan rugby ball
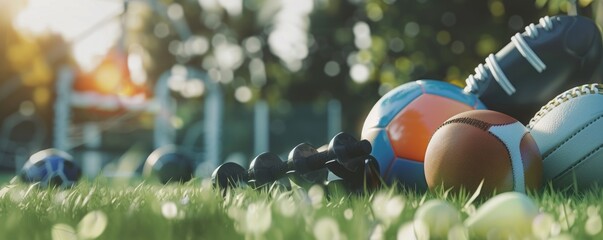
(483, 145)
(569, 133)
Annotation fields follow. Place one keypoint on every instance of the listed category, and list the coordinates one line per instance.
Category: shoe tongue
(580, 37)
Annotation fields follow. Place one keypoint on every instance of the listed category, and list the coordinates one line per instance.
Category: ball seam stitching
(473, 122)
(577, 163)
(545, 156)
(579, 91)
(469, 121)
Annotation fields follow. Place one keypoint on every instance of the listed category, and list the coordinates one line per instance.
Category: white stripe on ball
(511, 135)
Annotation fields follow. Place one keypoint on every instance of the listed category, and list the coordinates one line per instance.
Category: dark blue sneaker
(548, 58)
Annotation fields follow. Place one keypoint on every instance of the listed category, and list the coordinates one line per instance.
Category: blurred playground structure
(204, 138)
(23, 132)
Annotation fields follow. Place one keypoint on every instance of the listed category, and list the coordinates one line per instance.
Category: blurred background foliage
(351, 50)
(285, 52)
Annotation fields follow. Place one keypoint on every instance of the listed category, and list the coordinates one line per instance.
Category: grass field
(106, 209)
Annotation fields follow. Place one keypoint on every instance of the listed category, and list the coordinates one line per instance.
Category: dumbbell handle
(318, 160)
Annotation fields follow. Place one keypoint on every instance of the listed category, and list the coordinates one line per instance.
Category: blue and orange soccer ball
(402, 122)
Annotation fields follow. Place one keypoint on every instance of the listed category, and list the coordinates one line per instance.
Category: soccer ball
(168, 164)
(402, 122)
(51, 168)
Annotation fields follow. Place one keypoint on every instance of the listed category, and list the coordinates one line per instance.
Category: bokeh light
(243, 94)
(161, 30)
(27, 108)
(360, 73)
(497, 8)
(193, 88)
(412, 29)
(449, 19)
(332, 68)
(92, 225)
(253, 45)
(196, 45)
(516, 22)
(289, 37)
(229, 56)
(137, 70)
(63, 231)
(396, 44)
(362, 35)
(327, 229)
(169, 210)
(457, 47)
(175, 11)
(41, 16)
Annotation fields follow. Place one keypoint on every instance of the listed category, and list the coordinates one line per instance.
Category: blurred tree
(423, 39)
(290, 51)
(7, 13)
(27, 67)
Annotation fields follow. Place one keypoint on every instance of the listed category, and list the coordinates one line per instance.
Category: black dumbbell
(266, 168)
(229, 175)
(366, 178)
(307, 166)
(261, 171)
(344, 153)
(304, 159)
(308, 178)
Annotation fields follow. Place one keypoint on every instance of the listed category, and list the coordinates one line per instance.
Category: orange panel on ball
(411, 130)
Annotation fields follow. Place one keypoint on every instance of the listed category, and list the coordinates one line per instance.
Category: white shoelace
(478, 79)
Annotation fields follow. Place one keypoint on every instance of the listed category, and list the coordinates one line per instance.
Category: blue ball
(402, 122)
(51, 168)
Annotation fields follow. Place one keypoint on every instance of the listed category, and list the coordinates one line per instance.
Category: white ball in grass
(413, 230)
(63, 231)
(458, 232)
(439, 216)
(258, 218)
(542, 225)
(92, 225)
(508, 215)
(593, 225)
(327, 228)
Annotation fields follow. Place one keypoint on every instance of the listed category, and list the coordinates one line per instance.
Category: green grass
(116, 210)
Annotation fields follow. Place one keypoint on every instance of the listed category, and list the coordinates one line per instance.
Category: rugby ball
(569, 134)
(483, 145)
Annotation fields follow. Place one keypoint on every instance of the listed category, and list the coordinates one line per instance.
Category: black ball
(168, 164)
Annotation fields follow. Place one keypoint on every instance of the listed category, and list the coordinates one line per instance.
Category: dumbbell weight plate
(346, 158)
(366, 174)
(228, 175)
(372, 173)
(301, 178)
(341, 171)
(263, 169)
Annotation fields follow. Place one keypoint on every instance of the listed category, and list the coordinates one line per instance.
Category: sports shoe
(549, 57)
